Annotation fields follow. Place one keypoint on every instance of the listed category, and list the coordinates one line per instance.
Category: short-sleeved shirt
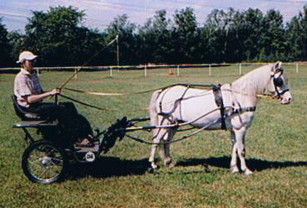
(26, 84)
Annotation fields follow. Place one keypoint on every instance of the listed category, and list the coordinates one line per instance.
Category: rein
(82, 103)
(206, 86)
(139, 92)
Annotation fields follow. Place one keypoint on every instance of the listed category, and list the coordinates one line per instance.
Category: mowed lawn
(276, 146)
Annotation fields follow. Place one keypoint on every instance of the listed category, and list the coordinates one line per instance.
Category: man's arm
(40, 97)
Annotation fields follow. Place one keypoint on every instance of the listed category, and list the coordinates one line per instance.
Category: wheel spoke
(57, 161)
(35, 163)
(43, 173)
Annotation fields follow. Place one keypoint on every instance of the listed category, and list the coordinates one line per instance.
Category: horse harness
(218, 97)
(219, 102)
(278, 82)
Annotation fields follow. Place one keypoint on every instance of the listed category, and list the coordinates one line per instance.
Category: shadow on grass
(105, 167)
(253, 164)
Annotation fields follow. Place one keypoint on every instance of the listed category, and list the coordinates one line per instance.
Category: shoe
(84, 143)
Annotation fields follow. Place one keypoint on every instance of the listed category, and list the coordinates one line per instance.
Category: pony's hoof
(234, 169)
(154, 166)
(151, 170)
(170, 165)
(248, 172)
(168, 162)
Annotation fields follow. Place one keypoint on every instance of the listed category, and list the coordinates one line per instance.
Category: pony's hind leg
(158, 135)
(166, 146)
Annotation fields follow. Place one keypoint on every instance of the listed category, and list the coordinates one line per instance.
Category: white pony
(197, 107)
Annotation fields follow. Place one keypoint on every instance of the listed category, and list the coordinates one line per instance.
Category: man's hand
(55, 91)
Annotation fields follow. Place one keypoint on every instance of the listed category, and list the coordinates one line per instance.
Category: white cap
(26, 55)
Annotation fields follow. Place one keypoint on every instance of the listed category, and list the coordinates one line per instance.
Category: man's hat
(26, 55)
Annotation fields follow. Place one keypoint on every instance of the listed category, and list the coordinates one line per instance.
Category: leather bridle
(278, 83)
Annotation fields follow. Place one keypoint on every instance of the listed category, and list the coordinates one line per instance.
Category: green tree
(221, 35)
(234, 36)
(185, 37)
(16, 40)
(155, 39)
(296, 34)
(5, 59)
(252, 30)
(233, 44)
(273, 41)
(125, 30)
(59, 37)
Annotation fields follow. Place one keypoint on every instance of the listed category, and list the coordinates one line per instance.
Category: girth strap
(245, 109)
(219, 102)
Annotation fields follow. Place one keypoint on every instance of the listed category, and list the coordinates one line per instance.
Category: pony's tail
(153, 113)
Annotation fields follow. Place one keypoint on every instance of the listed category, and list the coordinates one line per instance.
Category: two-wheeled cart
(46, 159)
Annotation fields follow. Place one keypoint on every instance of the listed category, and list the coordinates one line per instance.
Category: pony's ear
(277, 66)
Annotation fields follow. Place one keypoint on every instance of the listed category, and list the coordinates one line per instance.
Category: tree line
(60, 38)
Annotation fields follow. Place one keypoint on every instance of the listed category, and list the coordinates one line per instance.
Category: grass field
(276, 151)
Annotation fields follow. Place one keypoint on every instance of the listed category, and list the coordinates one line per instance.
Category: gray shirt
(26, 84)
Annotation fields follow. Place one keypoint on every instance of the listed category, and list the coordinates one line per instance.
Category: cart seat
(23, 115)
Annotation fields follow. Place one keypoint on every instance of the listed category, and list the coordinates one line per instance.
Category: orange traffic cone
(170, 71)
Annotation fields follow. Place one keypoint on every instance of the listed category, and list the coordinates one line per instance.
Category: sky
(99, 13)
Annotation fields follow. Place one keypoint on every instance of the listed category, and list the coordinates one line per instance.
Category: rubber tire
(41, 146)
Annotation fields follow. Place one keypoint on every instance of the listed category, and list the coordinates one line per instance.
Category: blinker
(278, 82)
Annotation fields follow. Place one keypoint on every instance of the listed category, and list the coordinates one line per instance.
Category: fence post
(145, 71)
(296, 68)
(240, 69)
(178, 71)
(111, 72)
(76, 74)
(210, 73)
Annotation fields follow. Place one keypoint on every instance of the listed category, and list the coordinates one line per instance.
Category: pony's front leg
(233, 163)
(240, 148)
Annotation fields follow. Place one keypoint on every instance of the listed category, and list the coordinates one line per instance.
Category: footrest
(34, 124)
(95, 148)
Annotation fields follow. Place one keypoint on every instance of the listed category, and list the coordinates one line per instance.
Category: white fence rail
(149, 70)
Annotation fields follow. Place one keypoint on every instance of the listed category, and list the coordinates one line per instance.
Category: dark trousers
(74, 125)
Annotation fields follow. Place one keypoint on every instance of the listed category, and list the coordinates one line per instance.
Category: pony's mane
(254, 82)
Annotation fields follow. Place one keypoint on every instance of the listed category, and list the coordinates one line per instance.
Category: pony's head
(278, 85)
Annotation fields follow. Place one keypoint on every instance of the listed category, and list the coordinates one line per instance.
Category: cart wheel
(44, 162)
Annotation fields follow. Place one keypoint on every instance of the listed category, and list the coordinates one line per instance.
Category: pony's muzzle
(286, 98)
